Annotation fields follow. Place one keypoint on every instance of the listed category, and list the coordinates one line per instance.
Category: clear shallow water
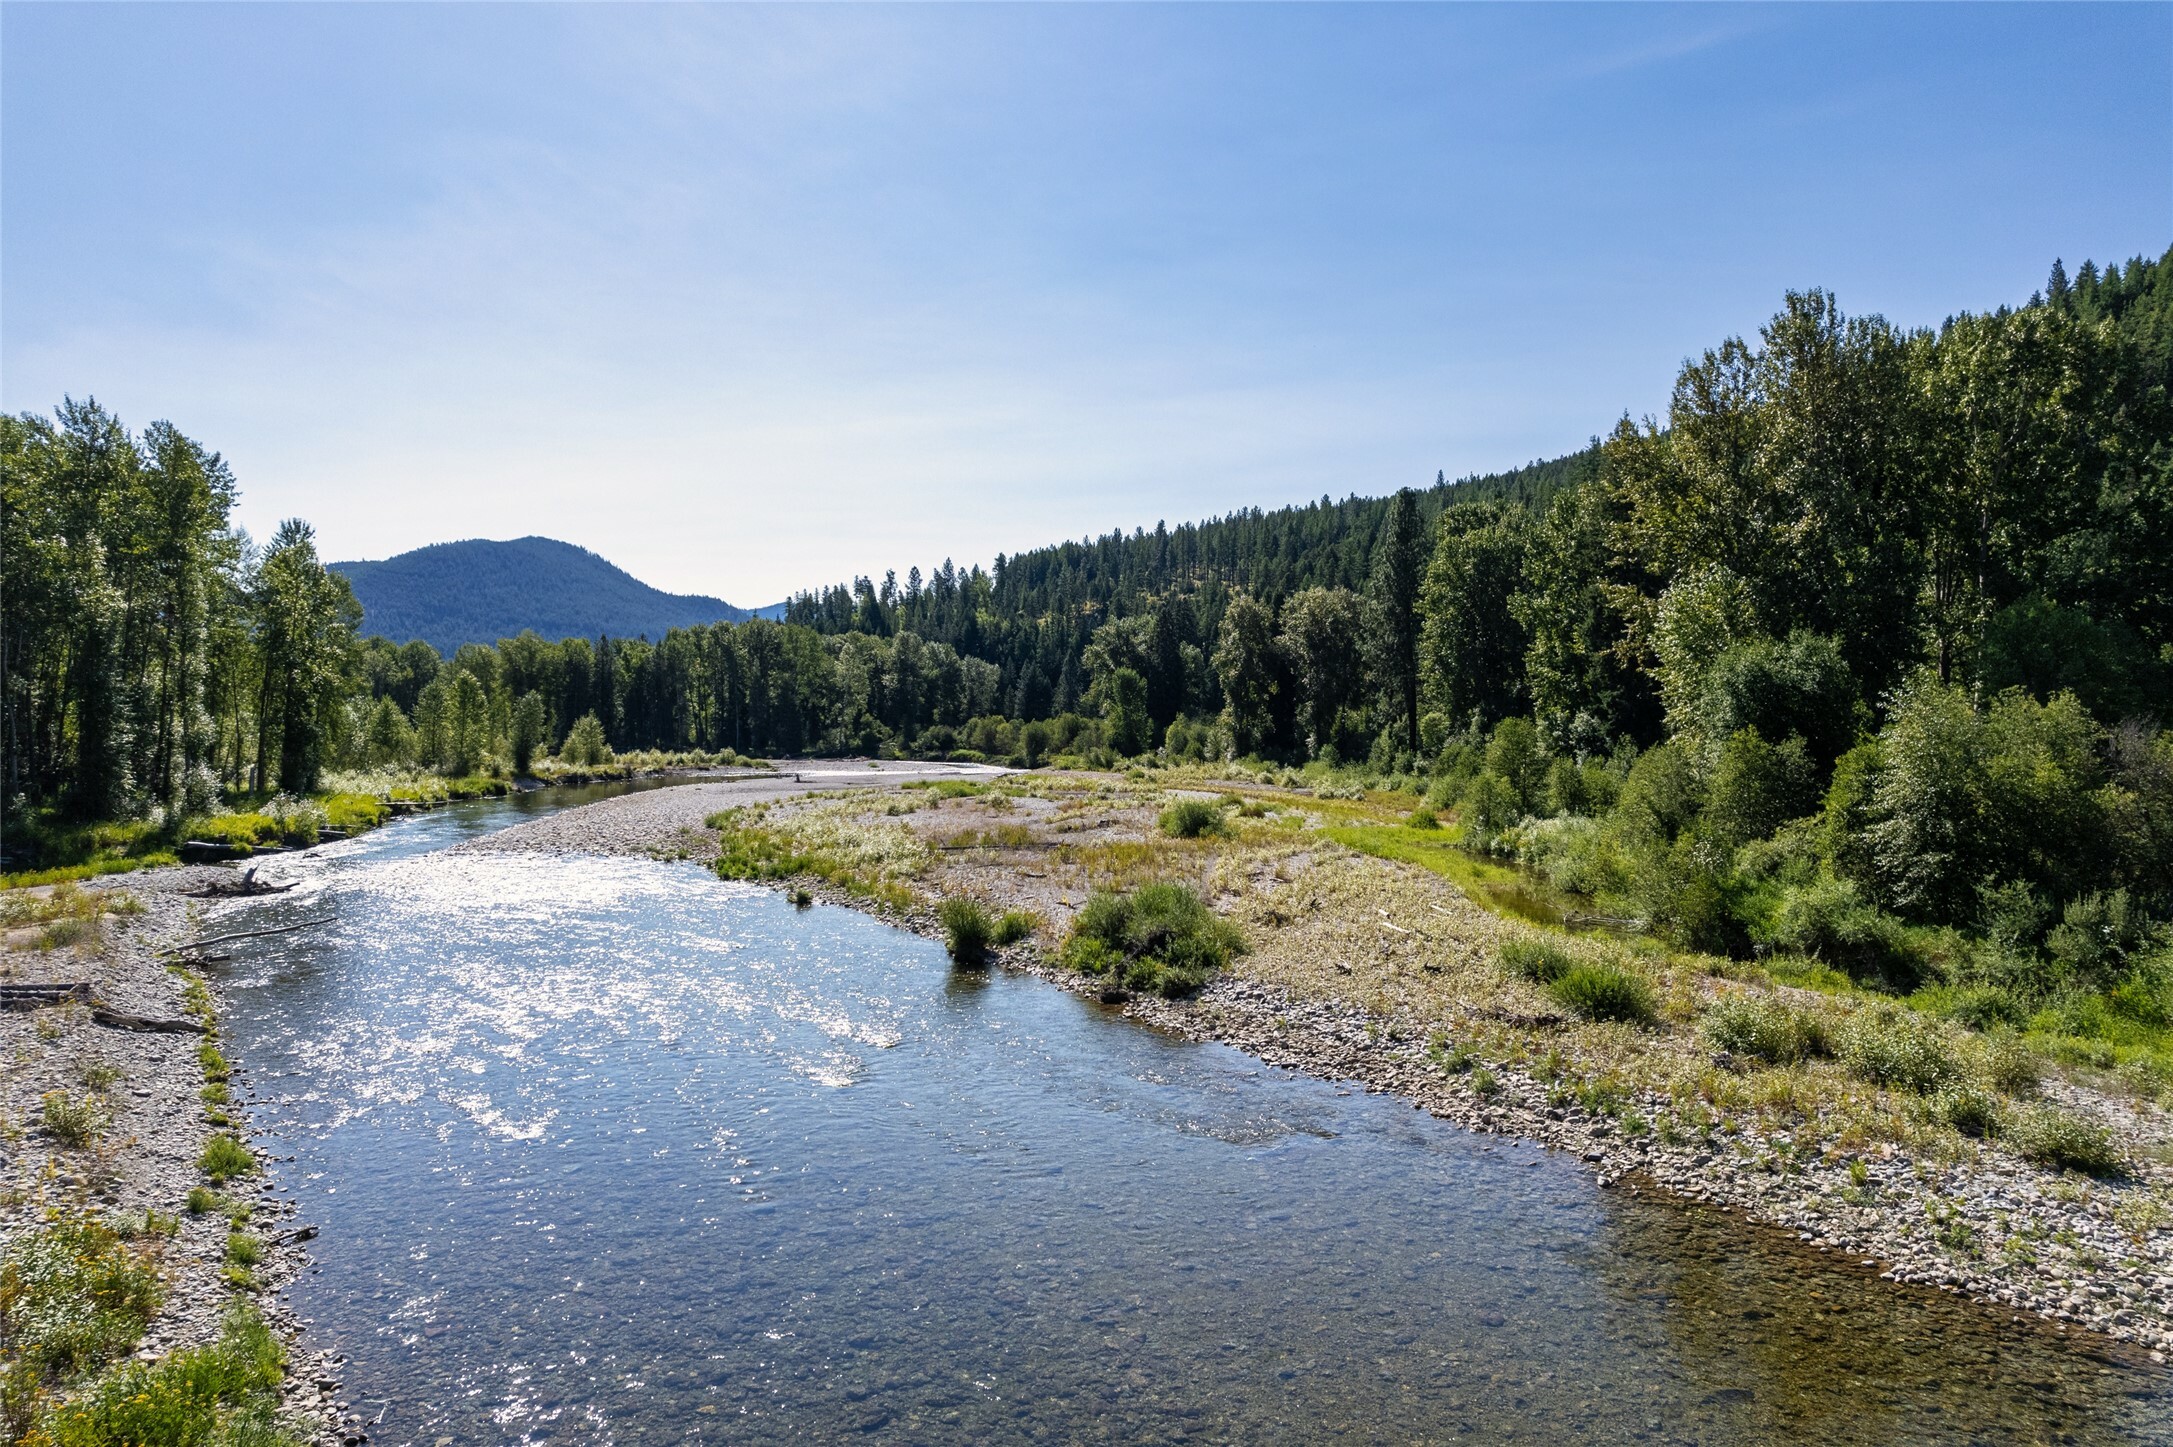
(612, 1151)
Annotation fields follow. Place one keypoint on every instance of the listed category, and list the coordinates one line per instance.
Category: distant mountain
(480, 591)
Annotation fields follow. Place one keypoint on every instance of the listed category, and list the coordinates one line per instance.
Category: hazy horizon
(748, 300)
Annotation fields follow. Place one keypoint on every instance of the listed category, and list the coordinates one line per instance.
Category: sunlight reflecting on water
(609, 1150)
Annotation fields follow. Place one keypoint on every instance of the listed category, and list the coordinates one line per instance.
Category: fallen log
(35, 997)
(144, 1024)
(247, 886)
(251, 934)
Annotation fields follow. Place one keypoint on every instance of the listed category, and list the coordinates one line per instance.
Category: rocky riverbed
(143, 1087)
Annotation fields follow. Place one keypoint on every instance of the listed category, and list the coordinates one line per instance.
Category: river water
(609, 1150)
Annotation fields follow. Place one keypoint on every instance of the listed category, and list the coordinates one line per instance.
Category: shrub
(1423, 817)
(1491, 808)
(243, 1249)
(1192, 818)
(1828, 918)
(1765, 1028)
(353, 813)
(225, 1394)
(224, 1158)
(2065, 1142)
(1159, 937)
(201, 1200)
(73, 1295)
(1540, 961)
(967, 929)
(72, 1122)
(1887, 1046)
(1968, 1109)
(2011, 1066)
(1016, 925)
(1605, 991)
(1980, 1007)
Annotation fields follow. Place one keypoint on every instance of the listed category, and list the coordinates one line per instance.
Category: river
(609, 1150)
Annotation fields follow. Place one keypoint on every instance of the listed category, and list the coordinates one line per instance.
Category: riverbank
(111, 1124)
(1370, 970)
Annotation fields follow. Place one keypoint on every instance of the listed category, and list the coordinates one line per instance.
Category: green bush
(73, 1294)
(2052, 1137)
(1601, 990)
(353, 813)
(72, 1122)
(1968, 1109)
(1016, 925)
(201, 1200)
(1756, 788)
(223, 1395)
(1159, 938)
(2011, 1066)
(1192, 818)
(967, 929)
(1765, 1028)
(224, 1158)
(1889, 1046)
(1829, 919)
(1540, 961)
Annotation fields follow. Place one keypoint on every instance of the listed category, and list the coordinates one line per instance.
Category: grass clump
(1603, 990)
(225, 1394)
(1158, 937)
(1764, 1028)
(1016, 925)
(201, 1200)
(72, 1122)
(1540, 961)
(1888, 1046)
(2064, 1142)
(967, 930)
(224, 1158)
(1193, 818)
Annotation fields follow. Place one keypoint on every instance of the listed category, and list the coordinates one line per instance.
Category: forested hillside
(479, 591)
(1872, 630)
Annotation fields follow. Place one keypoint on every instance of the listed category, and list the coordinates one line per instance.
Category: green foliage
(1889, 1046)
(2064, 1141)
(71, 1122)
(1159, 938)
(223, 1395)
(1192, 818)
(531, 727)
(1756, 788)
(585, 742)
(1764, 1027)
(967, 929)
(224, 1158)
(1529, 958)
(1017, 925)
(1604, 990)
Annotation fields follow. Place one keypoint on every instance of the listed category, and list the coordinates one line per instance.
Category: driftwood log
(34, 997)
(246, 886)
(251, 934)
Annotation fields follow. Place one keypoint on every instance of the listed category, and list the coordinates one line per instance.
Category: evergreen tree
(1399, 564)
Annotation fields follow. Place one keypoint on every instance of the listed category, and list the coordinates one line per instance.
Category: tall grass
(967, 930)
(1158, 937)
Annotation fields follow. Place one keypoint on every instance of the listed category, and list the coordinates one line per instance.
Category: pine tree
(1399, 563)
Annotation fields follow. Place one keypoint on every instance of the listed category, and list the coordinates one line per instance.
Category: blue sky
(750, 298)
